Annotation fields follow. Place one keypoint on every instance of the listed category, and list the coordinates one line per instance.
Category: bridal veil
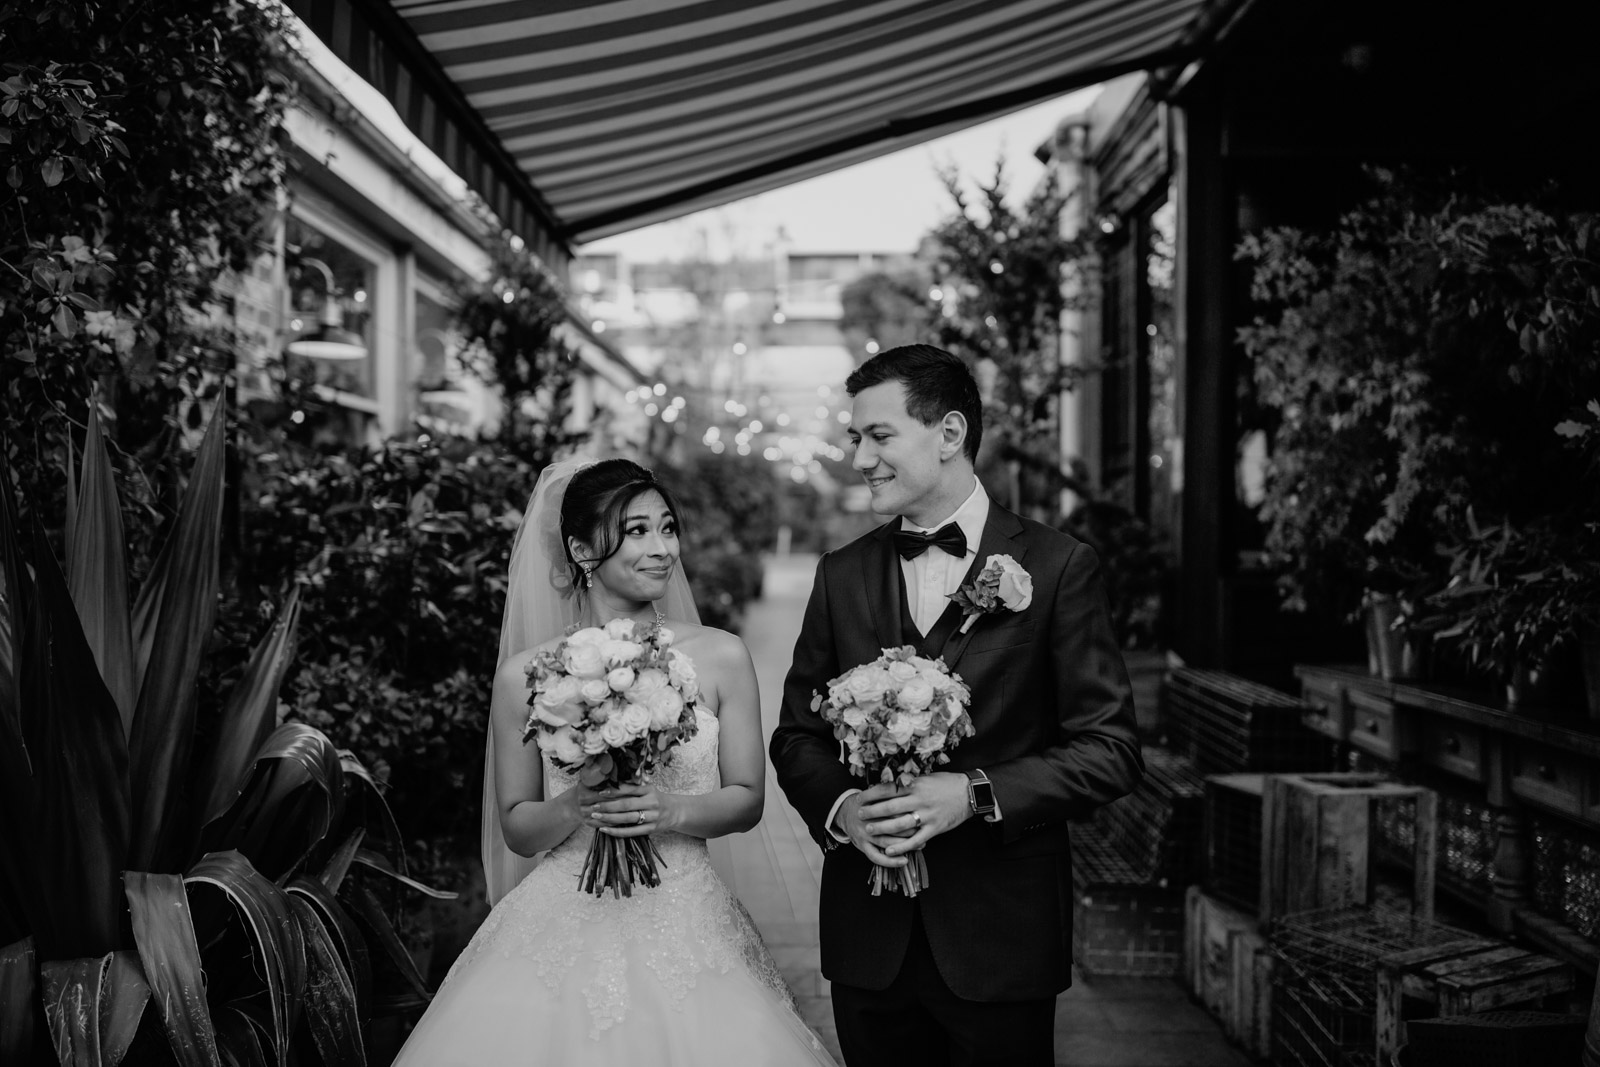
(541, 604)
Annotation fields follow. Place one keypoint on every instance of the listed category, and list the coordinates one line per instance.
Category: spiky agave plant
(222, 890)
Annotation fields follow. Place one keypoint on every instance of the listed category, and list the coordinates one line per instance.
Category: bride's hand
(631, 811)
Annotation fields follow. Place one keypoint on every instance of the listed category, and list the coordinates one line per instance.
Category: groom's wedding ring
(641, 817)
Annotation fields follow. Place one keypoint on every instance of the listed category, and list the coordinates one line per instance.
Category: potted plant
(1515, 603)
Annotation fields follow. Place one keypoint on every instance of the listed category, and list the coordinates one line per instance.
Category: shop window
(1140, 448)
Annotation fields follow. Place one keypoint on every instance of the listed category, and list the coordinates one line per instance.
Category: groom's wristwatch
(980, 795)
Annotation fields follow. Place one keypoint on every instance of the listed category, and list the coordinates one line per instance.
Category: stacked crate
(1159, 827)
(1227, 724)
(1129, 868)
(1122, 922)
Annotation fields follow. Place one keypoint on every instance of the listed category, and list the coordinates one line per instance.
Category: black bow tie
(949, 537)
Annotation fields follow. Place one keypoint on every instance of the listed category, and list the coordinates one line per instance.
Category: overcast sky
(883, 205)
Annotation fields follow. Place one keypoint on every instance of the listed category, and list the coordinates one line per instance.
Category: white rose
(595, 690)
(558, 714)
(1016, 584)
(593, 743)
(928, 744)
(915, 694)
(619, 678)
(868, 684)
(665, 637)
(614, 732)
(564, 745)
(618, 652)
(619, 629)
(665, 707)
(648, 681)
(902, 671)
(681, 669)
(557, 689)
(900, 729)
(636, 719)
(854, 717)
(591, 635)
(585, 661)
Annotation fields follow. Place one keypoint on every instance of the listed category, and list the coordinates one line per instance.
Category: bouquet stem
(616, 863)
(910, 879)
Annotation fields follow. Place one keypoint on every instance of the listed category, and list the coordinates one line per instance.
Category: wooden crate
(1462, 978)
(1228, 967)
(1317, 842)
(1121, 923)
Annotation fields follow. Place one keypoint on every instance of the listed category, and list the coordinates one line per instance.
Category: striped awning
(621, 113)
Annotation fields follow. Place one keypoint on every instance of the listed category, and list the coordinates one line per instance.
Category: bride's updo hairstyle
(595, 509)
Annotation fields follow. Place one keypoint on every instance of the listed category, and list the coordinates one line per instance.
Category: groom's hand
(929, 806)
(869, 837)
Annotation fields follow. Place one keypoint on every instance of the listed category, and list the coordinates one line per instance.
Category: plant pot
(1589, 661)
(1391, 653)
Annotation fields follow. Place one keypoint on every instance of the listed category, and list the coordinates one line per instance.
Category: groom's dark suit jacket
(1054, 731)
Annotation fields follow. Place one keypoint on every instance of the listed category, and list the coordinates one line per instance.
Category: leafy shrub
(731, 517)
(1416, 357)
(404, 551)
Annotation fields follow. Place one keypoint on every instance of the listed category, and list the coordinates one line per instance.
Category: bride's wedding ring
(641, 816)
(917, 819)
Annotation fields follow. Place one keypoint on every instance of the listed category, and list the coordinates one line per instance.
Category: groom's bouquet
(897, 718)
(608, 704)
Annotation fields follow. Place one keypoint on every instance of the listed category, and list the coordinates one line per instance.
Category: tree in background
(887, 309)
(998, 271)
(144, 154)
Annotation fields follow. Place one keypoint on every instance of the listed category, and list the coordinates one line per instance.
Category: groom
(966, 972)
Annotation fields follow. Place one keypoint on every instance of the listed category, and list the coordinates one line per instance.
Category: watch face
(982, 796)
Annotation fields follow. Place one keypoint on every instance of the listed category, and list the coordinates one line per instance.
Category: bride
(671, 975)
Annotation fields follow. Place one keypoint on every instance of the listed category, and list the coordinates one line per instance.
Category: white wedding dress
(671, 975)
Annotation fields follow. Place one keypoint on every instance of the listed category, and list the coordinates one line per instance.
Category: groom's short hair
(936, 383)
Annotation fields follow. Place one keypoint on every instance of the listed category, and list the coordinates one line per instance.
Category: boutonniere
(1002, 585)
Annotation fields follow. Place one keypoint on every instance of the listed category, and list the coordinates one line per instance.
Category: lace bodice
(687, 924)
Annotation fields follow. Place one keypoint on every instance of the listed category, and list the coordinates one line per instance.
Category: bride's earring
(588, 576)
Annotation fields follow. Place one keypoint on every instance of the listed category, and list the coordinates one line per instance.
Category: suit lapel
(882, 587)
(1001, 537)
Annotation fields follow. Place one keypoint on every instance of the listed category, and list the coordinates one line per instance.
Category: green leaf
(97, 569)
(248, 717)
(93, 1007)
(277, 944)
(371, 809)
(347, 937)
(173, 620)
(338, 864)
(330, 995)
(64, 321)
(51, 171)
(239, 1039)
(163, 928)
(80, 811)
(397, 984)
(374, 861)
(292, 797)
(18, 990)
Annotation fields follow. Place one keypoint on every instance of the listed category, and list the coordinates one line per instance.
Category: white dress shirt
(934, 575)
(930, 579)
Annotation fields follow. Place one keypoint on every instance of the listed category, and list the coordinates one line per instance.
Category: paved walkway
(1100, 1022)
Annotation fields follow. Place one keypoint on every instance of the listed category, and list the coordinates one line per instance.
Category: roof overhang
(576, 119)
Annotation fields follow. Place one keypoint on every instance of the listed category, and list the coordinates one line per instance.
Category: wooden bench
(1462, 978)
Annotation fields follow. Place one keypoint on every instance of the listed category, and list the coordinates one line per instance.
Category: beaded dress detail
(674, 974)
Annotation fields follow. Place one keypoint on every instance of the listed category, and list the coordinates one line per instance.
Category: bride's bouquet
(897, 718)
(608, 704)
